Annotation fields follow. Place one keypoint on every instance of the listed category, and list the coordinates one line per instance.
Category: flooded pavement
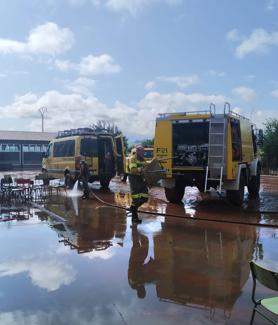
(92, 266)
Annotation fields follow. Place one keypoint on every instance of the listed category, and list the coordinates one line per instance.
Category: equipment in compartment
(191, 155)
(190, 143)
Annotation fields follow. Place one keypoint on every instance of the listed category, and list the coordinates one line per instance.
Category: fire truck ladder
(216, 150)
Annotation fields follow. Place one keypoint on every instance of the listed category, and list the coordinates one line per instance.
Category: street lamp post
(43, 111)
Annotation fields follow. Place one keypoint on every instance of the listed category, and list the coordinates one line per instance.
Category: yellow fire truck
(66, 151)
(206, 149)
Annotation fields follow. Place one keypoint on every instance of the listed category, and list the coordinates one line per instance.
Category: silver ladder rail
(216, 151)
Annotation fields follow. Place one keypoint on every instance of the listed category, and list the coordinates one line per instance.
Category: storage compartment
(190, 143)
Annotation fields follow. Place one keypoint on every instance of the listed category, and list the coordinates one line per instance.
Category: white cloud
(8, 46)
(215, 73)
(57, 314)
(150, 85)
(8, 73)
(259, 41)
(48, 38)
(90, 65)
(178, 101)
(237, 109)
(103, 255)
(275, 93)
(64, 65)
(181, 81)
(130, 6)
(78, 2)
(134, 6)
(102, 64)
(246, 93)
(58, 273)
(270, 6)
(233, 35)
(250, 77)
(260, 115)
(83, 86)
(78, 110)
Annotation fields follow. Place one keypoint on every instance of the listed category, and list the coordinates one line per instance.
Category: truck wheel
(254, 183)
(175, 194)
(104, 182)
(236, 197)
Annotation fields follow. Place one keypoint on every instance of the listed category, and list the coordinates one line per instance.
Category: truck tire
(254, 183)
(175, 194)
(236, 197)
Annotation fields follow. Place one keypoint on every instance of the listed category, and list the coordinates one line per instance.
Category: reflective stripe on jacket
(135, 165)
(139, 195)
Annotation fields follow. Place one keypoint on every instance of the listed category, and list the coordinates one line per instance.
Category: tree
(148, 142)
(270, 144)
(106, 126)
(109, 127)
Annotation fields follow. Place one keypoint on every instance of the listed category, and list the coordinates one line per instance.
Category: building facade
(23, 150)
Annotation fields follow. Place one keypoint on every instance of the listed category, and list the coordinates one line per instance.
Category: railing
(82, 131)
(228, 111)
(210, 111)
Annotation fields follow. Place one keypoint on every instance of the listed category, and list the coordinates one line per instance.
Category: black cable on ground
(186, 216)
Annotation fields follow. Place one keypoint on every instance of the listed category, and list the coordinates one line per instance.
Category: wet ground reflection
(94, 267)
(92, 230)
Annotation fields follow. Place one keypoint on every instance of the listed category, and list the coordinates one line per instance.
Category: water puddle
(92, 266)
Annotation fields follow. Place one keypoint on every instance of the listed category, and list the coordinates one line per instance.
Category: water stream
(75, 191)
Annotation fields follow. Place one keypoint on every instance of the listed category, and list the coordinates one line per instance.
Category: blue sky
(128, 60)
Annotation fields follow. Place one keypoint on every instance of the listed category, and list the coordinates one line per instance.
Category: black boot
(134, 219)
(132, 209)
(85, 197)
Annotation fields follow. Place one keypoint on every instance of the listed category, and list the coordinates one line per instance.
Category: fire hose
(186, 216)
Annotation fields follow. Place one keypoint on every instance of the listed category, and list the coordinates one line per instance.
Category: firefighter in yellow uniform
(138, 186)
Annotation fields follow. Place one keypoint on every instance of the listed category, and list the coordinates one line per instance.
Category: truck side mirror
(260, 137)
